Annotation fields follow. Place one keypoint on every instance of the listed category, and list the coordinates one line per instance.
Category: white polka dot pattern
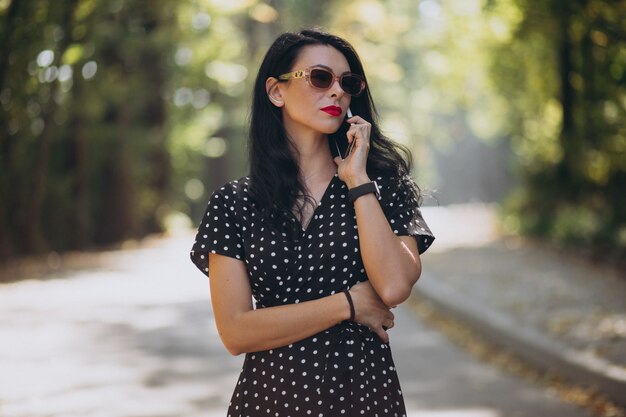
(345, 370)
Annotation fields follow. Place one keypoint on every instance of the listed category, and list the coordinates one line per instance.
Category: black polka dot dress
(346, 370)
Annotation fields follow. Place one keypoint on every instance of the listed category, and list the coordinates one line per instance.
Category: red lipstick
(332, 110)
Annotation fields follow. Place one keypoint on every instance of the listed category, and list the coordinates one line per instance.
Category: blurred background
(119, 118)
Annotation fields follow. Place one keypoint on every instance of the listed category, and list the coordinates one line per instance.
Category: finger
(355, 138)
(388, 323)
(356, 120)
(351, 134)
(383, 335)
(352, 143)
(360, 134)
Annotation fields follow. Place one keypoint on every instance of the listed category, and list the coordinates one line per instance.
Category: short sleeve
(219, 231)
(402, 210)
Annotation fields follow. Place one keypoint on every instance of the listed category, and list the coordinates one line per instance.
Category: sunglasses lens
(351, 84)
(321, 78)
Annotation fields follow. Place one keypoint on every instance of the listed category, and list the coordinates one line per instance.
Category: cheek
(300, 100)
(304, 107)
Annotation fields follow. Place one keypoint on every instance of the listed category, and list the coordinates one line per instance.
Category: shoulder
(397, 193)
(239, 186)
(232, 193)
(392, 185)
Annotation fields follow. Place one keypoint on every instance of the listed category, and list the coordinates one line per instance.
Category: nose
(335, 89)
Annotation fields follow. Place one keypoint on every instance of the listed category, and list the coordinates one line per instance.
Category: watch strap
(358, 191)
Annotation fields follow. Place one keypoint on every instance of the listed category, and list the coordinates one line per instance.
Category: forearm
(391, 267)
(272, 327)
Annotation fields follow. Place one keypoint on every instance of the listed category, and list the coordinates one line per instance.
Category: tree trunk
(35, 241)
(6, 141)
(566, 169)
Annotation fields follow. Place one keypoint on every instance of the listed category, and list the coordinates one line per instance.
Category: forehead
(322, 55)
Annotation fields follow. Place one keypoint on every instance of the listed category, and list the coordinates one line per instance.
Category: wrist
(364, 189)
(352, 312)
(356, 181)
(342, 307)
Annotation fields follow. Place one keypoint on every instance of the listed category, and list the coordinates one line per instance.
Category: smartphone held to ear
(341, 143)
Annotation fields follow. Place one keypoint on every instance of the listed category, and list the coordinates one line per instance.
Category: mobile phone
(342, 146)
(349, 114)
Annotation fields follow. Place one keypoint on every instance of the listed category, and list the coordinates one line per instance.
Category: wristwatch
(358, 191)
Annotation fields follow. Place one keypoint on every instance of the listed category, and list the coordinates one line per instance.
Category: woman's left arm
(392, 262)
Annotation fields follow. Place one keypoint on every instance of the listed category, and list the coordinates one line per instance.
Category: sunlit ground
(130, 340)
(462, 225)
(136, 337)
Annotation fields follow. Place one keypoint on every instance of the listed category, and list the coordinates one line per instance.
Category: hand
(352, 169)
(370, 310)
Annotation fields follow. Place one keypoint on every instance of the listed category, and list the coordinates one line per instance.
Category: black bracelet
(349, 297)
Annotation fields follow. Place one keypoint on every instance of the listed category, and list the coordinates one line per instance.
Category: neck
(314, 157)
(317, 165)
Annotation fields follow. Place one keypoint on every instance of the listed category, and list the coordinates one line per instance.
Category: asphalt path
(135, 337)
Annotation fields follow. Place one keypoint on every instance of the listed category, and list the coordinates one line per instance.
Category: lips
(332, 110)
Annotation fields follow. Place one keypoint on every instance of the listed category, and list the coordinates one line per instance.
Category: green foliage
(118, 114)
(119, 117)
(568, 121)
(83, 152)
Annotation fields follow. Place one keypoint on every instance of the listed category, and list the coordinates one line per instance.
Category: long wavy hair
(276, 185)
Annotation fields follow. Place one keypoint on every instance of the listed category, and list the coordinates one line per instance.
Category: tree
(570, 131)
(82, 143)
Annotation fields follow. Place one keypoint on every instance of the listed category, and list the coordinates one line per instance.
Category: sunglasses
(323, 79)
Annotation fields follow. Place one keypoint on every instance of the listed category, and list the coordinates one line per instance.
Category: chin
(330, 128)
(329, 131)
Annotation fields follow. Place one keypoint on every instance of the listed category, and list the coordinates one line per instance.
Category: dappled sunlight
(122, 117)
(134, 338)
(462, 225)
(159, 94)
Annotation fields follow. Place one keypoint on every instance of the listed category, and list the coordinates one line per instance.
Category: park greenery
(119, 117)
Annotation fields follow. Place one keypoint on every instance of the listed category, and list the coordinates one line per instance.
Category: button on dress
(346, 370)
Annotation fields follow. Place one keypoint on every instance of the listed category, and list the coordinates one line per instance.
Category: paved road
(136, 338)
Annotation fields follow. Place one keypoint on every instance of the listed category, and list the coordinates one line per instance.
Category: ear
(272, 87)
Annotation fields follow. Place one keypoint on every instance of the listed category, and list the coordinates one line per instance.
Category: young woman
(325, 234)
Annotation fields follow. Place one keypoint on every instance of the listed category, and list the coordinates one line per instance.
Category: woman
(324, 251)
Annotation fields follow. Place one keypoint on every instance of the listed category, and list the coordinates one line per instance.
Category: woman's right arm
(244, 329)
